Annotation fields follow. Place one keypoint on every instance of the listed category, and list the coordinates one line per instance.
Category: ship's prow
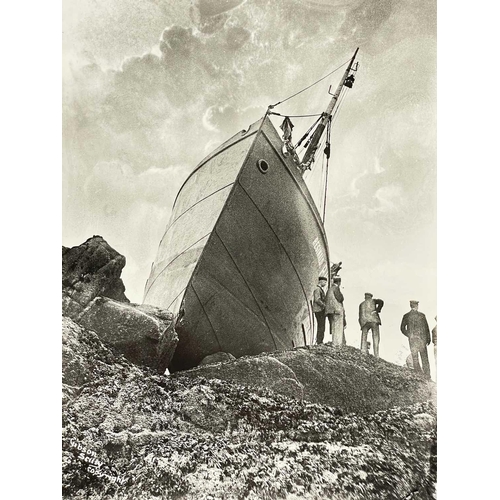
(242, 267)
(245, 245)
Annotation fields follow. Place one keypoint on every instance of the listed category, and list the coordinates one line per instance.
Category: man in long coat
(435, 342)
(369, 319)
(334, 310)
(414, 326)
(319, 297)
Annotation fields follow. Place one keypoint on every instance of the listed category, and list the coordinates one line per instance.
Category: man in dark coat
(435, 342)
(334, 311)
(369, 319)
(319, 300)
(414, 326)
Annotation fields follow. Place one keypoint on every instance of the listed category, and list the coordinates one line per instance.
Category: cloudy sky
(151, 86)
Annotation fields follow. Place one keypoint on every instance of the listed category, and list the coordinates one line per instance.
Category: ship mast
(308, 157)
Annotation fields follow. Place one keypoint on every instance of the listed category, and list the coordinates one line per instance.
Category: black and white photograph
(249, 249)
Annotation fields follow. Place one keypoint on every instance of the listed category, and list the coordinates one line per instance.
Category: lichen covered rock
(93, 296)
(90, 270)
(326, 374)
(130, 433)
(253, 371)
(218, 357)
(85, 359)
(145, 335)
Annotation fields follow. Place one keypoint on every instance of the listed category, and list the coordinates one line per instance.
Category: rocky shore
(309, 423)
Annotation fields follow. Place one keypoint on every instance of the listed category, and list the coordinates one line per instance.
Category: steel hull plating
(242, 254)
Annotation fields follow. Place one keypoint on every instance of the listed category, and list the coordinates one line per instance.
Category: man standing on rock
(334, 311)
(414, 326)
(435, 342)
(369, 319)
(319, 298)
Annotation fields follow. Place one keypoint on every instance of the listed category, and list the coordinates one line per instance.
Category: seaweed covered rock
(90, 270)
(131, 433)
(85, 359)
(343, 376)
(218, 357)
(338, 376)
(254, 371)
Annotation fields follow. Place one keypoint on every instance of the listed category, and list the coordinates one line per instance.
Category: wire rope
(309, 86)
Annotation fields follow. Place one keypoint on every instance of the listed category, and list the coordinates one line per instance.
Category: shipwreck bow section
(241, 255)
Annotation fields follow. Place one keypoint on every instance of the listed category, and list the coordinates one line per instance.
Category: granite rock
(336, 376)
(218, 357)
(85, 359)
(144, 334)
(253, 371)
(90, 270)
(153, 434)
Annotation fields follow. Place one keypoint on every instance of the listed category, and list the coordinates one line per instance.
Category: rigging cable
(337, 109)
(322, 185)
(327, 154)
(331, 121)
(308, 173)
(309, 86)
(294, 116)
(308, 131)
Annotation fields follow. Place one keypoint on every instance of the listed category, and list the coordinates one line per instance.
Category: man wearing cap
(414, 326)
(435, 342)
(319, 297)
(334, 310)
(369, 319)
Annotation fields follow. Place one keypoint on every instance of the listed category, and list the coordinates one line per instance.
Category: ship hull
(249, 288)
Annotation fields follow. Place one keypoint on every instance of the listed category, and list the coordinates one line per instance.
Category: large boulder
(144, 334)
(90, 270)
(93, 296)
(336, 376)
(86, 360)
(218, 357)
(345, 377)
(253, 371)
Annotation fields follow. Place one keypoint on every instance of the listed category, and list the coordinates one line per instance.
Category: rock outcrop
(145, 334)
(90, 270)
(93, 296)
(130, 433)
(253, 371)
(85, 359)
(331, 375)
(310, 423)
(218, 357)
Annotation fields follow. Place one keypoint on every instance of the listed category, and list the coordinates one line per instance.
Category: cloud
(329, 5)
(113, 29)
(210, 16)
(225, 119)
(363, 21)
(124, 114)
(353, 187)
(212, 115)
(210, 8)
(236, 37)
(389, 198)
(378, 169)
(141, 112)
(177, 41)
(130, 210)
(115, 187)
